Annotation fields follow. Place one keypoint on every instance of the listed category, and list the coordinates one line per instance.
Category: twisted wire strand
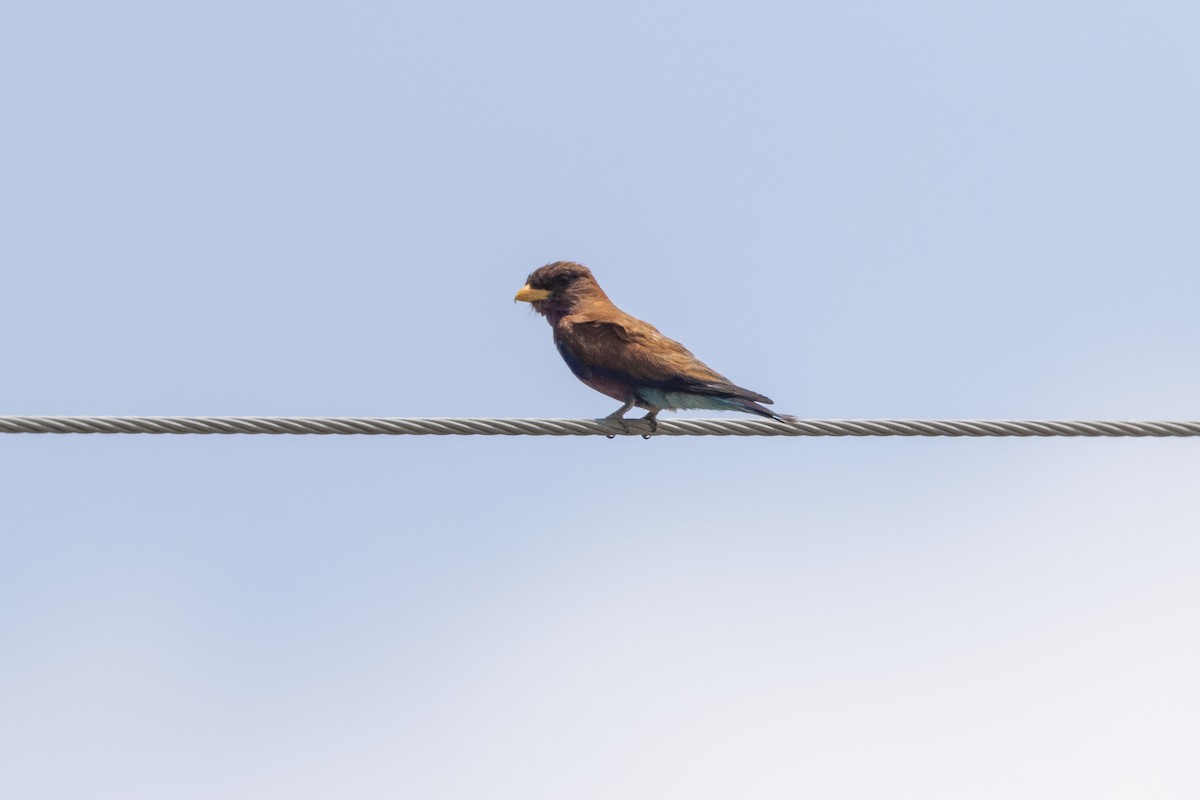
(451, 426)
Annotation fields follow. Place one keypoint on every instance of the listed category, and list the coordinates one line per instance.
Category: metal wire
(441, 426)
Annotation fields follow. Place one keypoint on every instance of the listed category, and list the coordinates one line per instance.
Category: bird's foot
(615, 418)
(619, 415)
(652, 418)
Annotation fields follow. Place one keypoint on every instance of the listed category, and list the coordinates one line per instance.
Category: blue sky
(875, 210)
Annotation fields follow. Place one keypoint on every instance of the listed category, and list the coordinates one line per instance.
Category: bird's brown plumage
(622, 356)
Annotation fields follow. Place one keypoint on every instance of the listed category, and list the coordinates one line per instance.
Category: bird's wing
(623, 347)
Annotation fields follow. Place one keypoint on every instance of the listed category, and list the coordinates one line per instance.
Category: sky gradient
(877, 210)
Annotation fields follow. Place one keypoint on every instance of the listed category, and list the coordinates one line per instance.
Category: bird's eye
(562, 280)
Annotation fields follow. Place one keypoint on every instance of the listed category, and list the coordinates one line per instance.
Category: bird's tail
(742, 404)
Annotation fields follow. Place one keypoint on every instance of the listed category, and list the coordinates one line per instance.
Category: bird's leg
(620, 413)
(652, 418)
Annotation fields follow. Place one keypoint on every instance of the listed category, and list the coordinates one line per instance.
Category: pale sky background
(979, 210)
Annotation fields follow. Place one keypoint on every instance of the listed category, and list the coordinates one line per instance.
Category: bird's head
(559, 289)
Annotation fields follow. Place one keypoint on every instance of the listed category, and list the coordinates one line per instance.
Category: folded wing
(626, 349)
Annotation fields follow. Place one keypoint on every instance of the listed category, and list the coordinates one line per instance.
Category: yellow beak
(528, 294)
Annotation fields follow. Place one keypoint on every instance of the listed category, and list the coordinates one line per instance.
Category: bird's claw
(653, 425)
(624, 426)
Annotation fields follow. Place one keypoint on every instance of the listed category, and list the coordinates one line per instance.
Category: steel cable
(450, 426)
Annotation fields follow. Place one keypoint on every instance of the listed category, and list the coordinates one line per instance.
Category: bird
(625, 358)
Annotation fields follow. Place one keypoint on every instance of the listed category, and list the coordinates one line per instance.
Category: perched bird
(625, 358)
